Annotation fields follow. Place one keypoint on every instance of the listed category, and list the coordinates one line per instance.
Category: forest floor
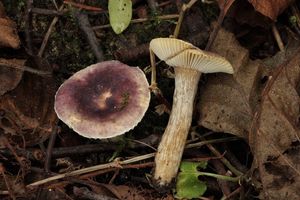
(244, 139)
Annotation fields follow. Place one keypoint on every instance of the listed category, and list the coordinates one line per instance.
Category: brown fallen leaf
(225, 4)
(261, 98)
(126, 192)
(10, 77)
(27, 116)
(225, 102)
(275, 130)
(8, 31)
(270, 8)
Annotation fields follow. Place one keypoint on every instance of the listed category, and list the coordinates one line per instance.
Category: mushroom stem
(172, 144)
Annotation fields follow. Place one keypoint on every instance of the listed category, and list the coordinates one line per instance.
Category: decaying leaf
(125, 192)
(8, 31)
(225, 4)
(270, 8)
(27, 116)
(225, 101)
(261, 98)
(9, 77)
(275, 130)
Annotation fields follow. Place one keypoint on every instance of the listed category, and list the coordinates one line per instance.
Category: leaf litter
(260, 103)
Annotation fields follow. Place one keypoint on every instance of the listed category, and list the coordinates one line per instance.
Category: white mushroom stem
(172, 144)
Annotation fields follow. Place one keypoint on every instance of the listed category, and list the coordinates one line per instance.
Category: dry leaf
(262, 98)
(225, 4)
(275, 131)
(27, 114)
(225, 102)
(270, 8)
(120, 191)
(8, 31)
(10, 77)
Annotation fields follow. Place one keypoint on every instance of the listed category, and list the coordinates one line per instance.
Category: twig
(92, 169)
(42, 11)
(85, 26)
(235, 192)
(207, 142)
(224, 160)
(83, 6)
(106, 166)
(232, 158)
(55, 4)
(84, 149)
(218, 165)
(6, 63)
(217, 27)
(277, 37)
(116, 173)
(50, 149)
(163, 17)
(184, 8)
(28, 26)
(47, 35)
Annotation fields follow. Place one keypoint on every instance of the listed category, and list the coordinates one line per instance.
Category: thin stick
(50, 150)
(224, 160)
(184, 7)
(216, 29)
(207, 142)
(153, 87)
(28, 25)
(153, 69)
(164, 17)
(6, 63)
(47, 35)
(42, 11)
(83, 6)
(86, 27)
(92, 169)
(277, 37)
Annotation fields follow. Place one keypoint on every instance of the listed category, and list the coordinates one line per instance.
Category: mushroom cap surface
(103, 100)
(178, 53)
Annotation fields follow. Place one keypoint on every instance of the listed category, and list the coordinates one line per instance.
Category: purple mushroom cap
(103, 100)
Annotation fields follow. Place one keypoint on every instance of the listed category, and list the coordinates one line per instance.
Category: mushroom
(188, 62)
(103, 100)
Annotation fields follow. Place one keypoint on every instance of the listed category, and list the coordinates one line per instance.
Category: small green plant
(120, 13)
(188, 185)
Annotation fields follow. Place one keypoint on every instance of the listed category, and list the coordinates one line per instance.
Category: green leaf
(188, 185)
(120, 13)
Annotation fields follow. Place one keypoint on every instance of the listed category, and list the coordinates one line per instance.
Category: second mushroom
(188, 62)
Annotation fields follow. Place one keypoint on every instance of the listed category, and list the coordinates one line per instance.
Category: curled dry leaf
(262, 98)
(270, 8)
(27, 116)
(9, 77)
(8, 31)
